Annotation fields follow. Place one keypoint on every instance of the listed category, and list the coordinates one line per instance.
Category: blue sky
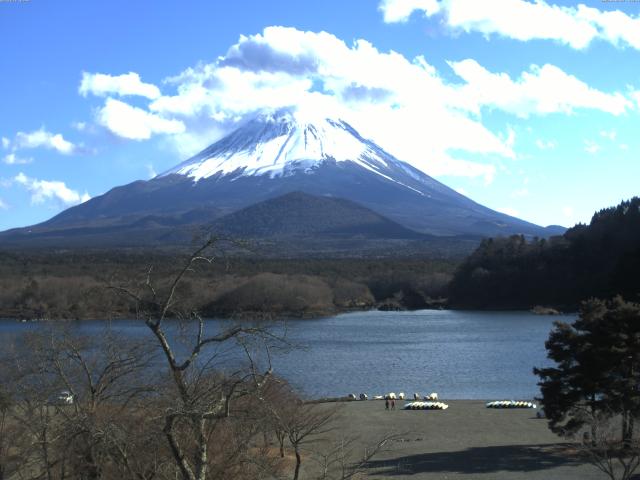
(527, 107)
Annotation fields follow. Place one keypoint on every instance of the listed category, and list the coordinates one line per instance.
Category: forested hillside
(601, 259)
(74, 285)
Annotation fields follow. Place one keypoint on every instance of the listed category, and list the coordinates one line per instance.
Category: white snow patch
(298, 146)
(280, 144)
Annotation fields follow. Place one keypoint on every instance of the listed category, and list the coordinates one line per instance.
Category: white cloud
(44, 190)
(624, 146)
(509, 211)
(525, 20)
(546, 145)
(135, 123)
(127, 84)
(610, 134)
(3, 205)
(151, 172)
(510, 140)
(591, 147)
(449, 166)
(521, 20)
(400, 10)
(615, 26)
(461, 191)
(522, 192)
(403, 105)
(5, 142)
(13, 159)
(542, 90)
(43, 139)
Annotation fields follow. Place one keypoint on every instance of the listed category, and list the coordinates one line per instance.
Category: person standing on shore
(386, 404)
(393, 404)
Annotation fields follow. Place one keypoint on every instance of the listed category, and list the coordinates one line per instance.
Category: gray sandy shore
(466, 441)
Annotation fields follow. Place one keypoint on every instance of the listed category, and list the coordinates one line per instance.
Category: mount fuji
(271, 156)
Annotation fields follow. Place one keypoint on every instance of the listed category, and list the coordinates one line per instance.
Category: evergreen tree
(596, 260)
(597, 370)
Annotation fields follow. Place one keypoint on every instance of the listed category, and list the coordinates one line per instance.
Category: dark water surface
(459, 354)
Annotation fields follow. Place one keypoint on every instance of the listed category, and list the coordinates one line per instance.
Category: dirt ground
(465, 441)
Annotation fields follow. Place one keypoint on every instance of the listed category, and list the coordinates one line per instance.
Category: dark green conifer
(597, 371)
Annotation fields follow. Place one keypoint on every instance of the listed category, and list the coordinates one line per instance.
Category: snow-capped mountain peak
(275, 155)
(278, 144)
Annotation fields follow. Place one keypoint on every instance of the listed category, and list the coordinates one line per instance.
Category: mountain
(299, 214)
(267, 157)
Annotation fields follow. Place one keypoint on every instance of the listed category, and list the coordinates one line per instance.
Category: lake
(459, 354)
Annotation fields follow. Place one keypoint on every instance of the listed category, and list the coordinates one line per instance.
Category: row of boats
(392, 396)
(444, 406)
(426, 406)
(510, 404)
(431, 401)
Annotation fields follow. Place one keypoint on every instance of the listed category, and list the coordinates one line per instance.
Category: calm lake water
(459, 354)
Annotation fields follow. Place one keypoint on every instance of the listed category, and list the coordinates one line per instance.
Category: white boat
(426, 406)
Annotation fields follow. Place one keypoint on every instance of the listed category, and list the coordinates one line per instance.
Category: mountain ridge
(271, 156)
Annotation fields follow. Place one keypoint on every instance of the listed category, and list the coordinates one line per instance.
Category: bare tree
(5, 405)
(340, 461)
(10, 436)
(202, 392)
(602, 445)
(292, 421)
(31, 388)
(79, 433)
(304, 425)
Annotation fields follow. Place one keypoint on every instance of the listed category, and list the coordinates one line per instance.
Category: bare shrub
(277, 294)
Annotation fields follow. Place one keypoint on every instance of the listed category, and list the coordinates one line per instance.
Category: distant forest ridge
(598, 260)
(601, 259)
(73, 284)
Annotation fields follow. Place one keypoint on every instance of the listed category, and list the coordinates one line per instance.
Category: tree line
(71, 285)
(601, 259)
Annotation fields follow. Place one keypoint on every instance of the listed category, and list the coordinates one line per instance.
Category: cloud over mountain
(134, 123)
(427, 117)
(44, 190)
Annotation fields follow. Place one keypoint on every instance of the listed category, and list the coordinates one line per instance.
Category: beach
(465, 441)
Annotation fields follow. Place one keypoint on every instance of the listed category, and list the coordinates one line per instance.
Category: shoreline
(275, 316)
(346, 400)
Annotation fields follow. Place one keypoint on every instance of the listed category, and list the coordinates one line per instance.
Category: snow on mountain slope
(281, 143)
(279, 153)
